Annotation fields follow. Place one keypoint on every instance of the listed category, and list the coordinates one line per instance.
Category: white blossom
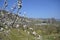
(19, 4)
(39, 37)
(17, 25)
(34, 33)
(24, 26)
(5, 3)
(1, 29)
(31, 28)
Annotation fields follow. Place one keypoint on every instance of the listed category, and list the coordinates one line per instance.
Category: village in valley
(16, 27)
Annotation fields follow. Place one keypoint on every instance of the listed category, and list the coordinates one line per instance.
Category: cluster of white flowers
(5, 4)
(19, 4)
(17, 26)
(34, 33)
(24, 26)
(2, 13)
(31, 28)
(1, 29)
(39, 37)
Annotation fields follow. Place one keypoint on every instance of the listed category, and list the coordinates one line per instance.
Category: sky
(37, 8)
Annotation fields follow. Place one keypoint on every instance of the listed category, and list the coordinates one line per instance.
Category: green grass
(15, 35)
(21, 35)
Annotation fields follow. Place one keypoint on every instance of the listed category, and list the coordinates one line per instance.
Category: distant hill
(8, 18)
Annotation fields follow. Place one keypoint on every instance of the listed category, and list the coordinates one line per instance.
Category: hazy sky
(38, 8)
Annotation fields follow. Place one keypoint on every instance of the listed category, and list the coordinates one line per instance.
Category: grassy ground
(22, 35)
(15, 35)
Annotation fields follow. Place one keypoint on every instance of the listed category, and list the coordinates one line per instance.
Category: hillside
(14, 27)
